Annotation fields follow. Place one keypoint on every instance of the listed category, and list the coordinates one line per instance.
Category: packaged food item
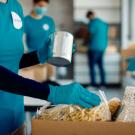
(114, 105)
(76, 113)
(128, 106)
(59, 112)
(99, 113)
(103, 112)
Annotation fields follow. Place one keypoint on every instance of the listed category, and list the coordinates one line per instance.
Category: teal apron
(11, 51)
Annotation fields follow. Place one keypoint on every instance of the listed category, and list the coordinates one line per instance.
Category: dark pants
(96, 58)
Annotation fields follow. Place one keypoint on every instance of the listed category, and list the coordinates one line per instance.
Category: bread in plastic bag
(99, 113)
(76, 113)
(114, 105)
(103, 112)
(128, 106)
(59, 112)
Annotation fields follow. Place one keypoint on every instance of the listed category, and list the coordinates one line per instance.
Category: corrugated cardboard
(42, 127)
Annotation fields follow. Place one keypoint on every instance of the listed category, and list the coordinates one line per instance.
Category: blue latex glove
(73, 94)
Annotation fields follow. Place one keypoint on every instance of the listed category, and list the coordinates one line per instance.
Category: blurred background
(70, 15)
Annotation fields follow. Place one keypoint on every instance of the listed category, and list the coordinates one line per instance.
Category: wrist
(40, 57)
(51, 96)
(42, 54)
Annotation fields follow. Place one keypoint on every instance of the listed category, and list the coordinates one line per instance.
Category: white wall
(27, 6)
(125, 23)
(133, 20)
(109, 10)
(128, 23)
(111, 15)
(97, 3)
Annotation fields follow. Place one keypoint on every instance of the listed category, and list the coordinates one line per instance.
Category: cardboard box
(130, 52)
(38, 73)
(42, 127)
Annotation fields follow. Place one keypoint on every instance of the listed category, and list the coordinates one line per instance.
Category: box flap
(41, 127)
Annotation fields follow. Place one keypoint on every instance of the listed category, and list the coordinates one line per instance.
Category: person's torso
(11, 50)
(99, 39)
(38, 31)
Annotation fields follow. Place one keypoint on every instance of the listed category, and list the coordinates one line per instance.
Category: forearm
(13, 83)
(29, 59)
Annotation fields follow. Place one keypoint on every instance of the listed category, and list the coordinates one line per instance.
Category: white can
(61, 45)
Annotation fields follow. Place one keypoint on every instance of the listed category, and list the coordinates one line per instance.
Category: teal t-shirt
(98, 30)
(11, 51)
(38, 31)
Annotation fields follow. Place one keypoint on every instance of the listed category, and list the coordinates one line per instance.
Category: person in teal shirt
(13, 87)
(11, 51)
(98, 41)
(38, 26)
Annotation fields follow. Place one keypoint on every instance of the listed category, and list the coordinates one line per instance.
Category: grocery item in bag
(114, 105)
(99, 113)
(128, 106)
(59, 112)
(76, 113)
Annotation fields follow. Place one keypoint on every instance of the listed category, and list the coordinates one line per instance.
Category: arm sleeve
(53, 27)
(13, 83)
(29, 59)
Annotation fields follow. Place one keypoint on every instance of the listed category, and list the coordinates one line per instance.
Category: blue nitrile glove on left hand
(73, 94)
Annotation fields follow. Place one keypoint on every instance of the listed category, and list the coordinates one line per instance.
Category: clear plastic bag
(114, 105)
(76, 113)
(59, 112)
(101, 112)
(128, 106)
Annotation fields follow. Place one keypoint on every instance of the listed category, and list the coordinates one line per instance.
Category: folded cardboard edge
(82, 122)
(43, 127)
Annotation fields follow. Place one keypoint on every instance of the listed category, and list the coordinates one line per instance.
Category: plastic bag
(114, 105)
(99, 113)
(128, 106)
(59, 112)
(76, 113)
(103, 112)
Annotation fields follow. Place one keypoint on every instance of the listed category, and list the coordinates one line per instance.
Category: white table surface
(34, 102)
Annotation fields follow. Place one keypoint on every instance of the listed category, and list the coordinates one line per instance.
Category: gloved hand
(73, 94)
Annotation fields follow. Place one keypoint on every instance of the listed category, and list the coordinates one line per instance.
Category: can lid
(59, 62)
